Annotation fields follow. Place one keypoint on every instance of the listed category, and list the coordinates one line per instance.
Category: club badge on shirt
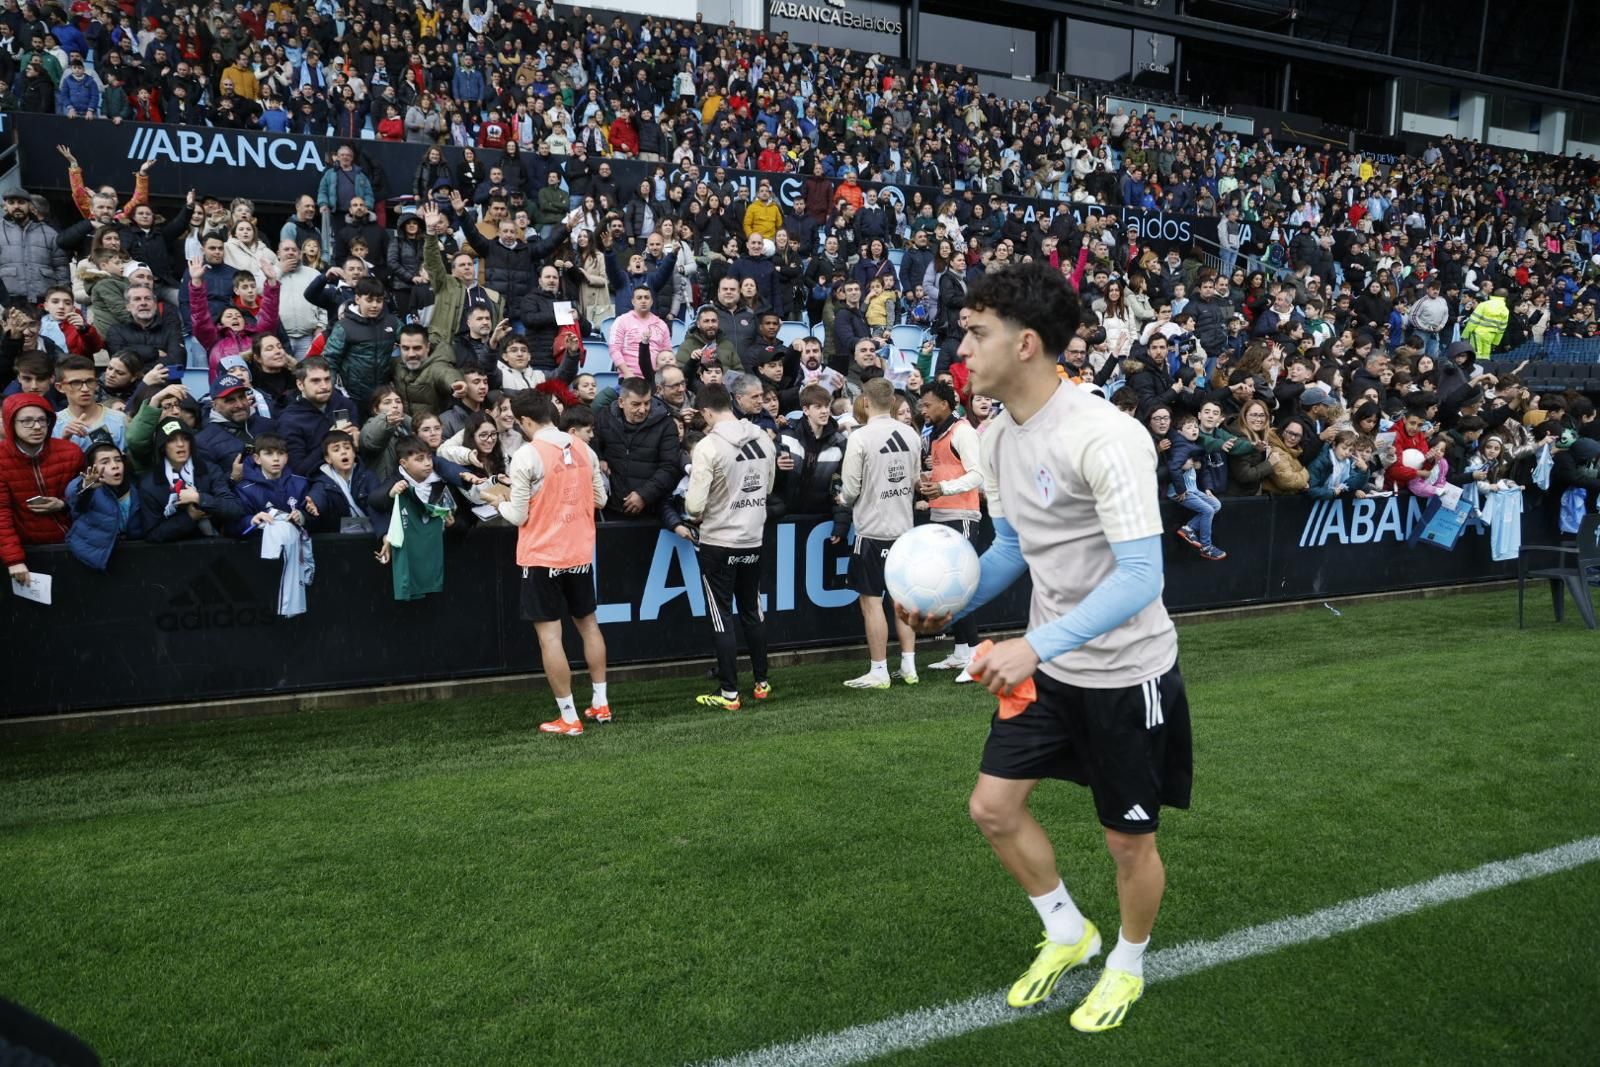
(1047, 485)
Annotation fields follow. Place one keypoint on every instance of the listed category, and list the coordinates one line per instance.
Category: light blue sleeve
(1133, 585)
(1002, 565)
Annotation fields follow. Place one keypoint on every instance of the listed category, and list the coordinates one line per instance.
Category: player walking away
(1071, 489)
(730, 475)
(556, 485)
(881, 462)
(952, 482)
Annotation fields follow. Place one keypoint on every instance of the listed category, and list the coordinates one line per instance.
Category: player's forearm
(999, 567)
(1133, 586)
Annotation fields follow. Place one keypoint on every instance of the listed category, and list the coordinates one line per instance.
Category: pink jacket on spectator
(220, 343)
(1427, 482)
(627, 332)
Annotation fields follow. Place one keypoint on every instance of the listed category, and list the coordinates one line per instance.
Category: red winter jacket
(23, 476)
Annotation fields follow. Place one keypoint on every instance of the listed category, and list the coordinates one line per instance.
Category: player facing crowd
(882, 462)
(556, 487)
(731, 471)
(1072, 493)
(951, 482)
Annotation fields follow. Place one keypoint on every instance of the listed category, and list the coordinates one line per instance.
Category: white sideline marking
(924, 1026)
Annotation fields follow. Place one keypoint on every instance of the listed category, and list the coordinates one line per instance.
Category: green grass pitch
(438, 884)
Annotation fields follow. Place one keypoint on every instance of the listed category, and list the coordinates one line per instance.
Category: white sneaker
(952, 662)
(963, 676)
(870, 680)
(907, 679)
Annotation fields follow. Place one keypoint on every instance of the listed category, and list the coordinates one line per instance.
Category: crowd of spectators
(1335, 343)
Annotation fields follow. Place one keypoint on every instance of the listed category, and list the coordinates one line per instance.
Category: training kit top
(730, 474)
(1076, 477)
(879, 479)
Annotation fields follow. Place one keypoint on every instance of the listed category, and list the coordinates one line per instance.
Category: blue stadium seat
(197, 381)
(606, 380)
(907, 336)
(895, 256)
(790, 332)
(596, 358)
(679, 331)
(605, 325)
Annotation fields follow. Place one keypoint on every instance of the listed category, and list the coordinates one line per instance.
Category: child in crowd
(585, 388)
(514, 367)
(342, 488)
(182, 496)
(63, 324)
(1339, 471)
(419, 507)
(386, 426)
(104, 507)
(269, 492)
(1194, 487)
(578, 421)
(879, 310)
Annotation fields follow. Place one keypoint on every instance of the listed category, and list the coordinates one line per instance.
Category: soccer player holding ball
(1072, 492)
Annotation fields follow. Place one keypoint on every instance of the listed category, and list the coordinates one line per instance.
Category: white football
(931, 570)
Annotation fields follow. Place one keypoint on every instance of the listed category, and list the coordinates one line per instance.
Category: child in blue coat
(1193, 487)
(269, 489)
(104, 507)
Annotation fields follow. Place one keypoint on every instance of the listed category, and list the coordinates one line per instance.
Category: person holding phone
(35, 468)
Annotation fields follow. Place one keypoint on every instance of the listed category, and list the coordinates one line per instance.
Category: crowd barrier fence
(197, 620)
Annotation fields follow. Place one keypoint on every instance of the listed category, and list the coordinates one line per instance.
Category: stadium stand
(1434, 304)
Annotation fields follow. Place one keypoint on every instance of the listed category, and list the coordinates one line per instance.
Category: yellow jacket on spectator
(764, 217)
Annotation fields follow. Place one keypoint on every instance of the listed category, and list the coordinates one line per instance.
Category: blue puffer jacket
(78, 94)
(99, 517)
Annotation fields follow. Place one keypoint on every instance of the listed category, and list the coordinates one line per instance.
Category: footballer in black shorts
(866, 566)
(1130, 746)
(550, 594)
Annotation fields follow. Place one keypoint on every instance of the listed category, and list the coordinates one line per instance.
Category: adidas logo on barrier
(218, 597)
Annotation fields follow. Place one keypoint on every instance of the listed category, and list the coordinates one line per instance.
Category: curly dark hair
(1030, 296)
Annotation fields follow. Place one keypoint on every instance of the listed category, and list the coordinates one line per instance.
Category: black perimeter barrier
(275, 168)
(197, 621)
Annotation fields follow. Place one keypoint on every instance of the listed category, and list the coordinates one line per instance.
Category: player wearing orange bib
(556, 486)
(952, 481)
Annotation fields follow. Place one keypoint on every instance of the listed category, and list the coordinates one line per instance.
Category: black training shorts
(1132, 747)
(866, 566)
(550, 594)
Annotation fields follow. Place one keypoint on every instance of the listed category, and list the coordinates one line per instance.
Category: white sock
(962, 651)
(730, 694)
(569, 710)
(908, 663)
(879, 666)
(1063, 922)
(1128, 956)
(599, 698)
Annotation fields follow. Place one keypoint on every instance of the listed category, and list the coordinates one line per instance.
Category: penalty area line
(925, 1026)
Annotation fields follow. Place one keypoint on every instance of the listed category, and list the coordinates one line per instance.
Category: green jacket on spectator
(427, 389)
(553, 203)
(449, 295)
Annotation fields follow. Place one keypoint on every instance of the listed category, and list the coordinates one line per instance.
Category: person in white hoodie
(731, 472)
(300, 319)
